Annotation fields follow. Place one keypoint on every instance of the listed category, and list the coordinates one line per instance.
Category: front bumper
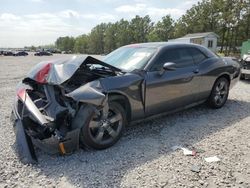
(32, 128)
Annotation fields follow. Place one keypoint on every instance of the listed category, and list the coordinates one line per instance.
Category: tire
(219, 93)
(99, 133)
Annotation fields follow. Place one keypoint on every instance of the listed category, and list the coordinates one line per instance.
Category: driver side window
(180, 56)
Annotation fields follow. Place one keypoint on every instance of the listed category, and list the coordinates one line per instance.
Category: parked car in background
(67, 52)
(20, 53)
(43, 53)
(84, 101)
(245, 59)
(55, 51)
(245, 63)
(8, 53)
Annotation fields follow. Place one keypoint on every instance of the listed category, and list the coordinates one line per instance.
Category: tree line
(230, 19)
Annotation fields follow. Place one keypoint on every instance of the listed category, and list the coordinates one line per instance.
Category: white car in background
(245, 62)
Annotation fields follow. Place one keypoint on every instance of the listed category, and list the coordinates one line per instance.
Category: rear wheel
(104, 129)
(219, 94)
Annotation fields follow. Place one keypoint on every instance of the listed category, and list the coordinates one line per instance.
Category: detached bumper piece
(24, 145)
(53, 145)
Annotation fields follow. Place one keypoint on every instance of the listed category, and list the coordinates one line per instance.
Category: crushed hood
(61, 70)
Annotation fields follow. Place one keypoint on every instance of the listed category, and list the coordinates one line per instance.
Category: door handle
(196, 71)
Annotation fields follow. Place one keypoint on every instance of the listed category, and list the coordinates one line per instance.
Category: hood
(58, 71)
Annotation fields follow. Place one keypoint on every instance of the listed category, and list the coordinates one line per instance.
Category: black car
(8, 53)
(43, 53)
(21, 53)
(88, 102)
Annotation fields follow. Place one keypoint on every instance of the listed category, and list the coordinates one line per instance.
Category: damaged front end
(54, 101)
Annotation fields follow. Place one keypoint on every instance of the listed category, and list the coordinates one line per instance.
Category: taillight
(42, 74)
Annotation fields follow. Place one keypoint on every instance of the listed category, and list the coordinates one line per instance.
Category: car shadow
(141, 144)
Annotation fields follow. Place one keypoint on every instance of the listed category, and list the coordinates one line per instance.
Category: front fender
(90, 93)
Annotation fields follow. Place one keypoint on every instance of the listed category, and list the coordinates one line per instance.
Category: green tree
(81, 44)
(140, 28)
(65, 43)
(224, 17)
(96, 39)
(124, 33)
(163, 30)
(110, 37)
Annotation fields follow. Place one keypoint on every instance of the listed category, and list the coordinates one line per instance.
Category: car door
(204, 65)
(174, 88)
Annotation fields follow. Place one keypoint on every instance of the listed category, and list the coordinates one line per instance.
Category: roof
(160, 44)
(157, 44)
(149, 44)
(196, 35)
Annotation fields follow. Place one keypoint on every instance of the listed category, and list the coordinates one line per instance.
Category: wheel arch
(224, 75)
(123, 101)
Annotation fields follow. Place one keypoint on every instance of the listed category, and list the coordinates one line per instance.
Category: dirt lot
(143, 157)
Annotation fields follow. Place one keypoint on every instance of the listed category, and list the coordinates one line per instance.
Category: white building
(208, 39)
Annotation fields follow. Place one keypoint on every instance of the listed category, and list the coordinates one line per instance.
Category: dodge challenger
(62, 105)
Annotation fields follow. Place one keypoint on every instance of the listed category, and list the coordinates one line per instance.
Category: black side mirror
(169, 66)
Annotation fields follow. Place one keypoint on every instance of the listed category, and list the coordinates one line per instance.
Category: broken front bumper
(31, 128)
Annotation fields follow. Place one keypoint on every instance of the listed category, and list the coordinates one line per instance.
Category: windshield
(130, 58)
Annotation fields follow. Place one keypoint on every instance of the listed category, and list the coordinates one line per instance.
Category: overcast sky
(40, 22)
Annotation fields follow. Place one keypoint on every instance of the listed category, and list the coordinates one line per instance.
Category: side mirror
(169, 66)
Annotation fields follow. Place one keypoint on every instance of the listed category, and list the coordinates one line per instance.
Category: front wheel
(102, 131)
(219, 93)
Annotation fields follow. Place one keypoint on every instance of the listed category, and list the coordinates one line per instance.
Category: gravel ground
(143, 157)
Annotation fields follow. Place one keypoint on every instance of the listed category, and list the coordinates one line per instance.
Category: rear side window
(182, 57)
(185, 58)
(197, 55)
